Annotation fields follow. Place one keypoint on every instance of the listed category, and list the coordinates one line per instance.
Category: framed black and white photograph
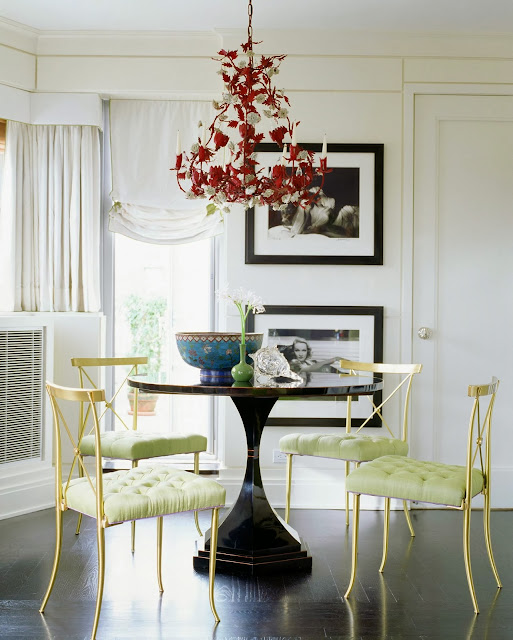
(313, 339)
(344, 225)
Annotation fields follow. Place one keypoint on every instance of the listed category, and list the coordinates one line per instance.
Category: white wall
(28, 486)
(349, 86)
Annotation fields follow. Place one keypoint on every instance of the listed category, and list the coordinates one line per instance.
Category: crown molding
(333, 42)
(129, 43)
(18, 36)
(326, 42)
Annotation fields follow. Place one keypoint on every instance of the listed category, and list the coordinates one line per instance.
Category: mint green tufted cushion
(145, 492)
(357, 448)
(408, 479)
(137, 445)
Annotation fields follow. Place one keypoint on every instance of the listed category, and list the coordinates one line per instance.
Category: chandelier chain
(250, 26)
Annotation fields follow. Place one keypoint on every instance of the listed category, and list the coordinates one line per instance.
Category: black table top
(316, 384)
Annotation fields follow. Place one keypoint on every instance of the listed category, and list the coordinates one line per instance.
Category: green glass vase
(242, 372)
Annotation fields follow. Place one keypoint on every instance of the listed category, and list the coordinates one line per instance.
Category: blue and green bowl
(215, 353)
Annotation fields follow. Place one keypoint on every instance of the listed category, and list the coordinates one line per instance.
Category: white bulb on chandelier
(324, 153)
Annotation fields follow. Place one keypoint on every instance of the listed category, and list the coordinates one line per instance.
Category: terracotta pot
(145, 403)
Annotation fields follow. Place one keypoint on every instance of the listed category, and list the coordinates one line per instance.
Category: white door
(463, 273)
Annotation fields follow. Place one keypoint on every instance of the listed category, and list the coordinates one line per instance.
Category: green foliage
(144, 317)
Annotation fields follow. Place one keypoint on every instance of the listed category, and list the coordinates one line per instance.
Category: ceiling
(423, 16)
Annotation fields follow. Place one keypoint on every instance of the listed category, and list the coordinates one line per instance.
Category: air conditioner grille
(21, 394)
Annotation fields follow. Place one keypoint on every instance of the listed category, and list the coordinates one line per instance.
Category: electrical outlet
(279, 457)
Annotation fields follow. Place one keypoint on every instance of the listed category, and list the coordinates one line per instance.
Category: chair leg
(196, 471)
(212, 561)
(288, 487)
(79, 521)
(57, 556)
(100, 535)
(408, 519)
(160, 522)
(347, 465)
(466, 554)
(488, 539)
(354, 555)
(132, 524)
(386, 527)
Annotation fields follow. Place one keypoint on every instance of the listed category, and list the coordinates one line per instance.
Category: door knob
(424, 333)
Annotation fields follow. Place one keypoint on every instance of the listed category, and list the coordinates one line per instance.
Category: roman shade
(148, 204)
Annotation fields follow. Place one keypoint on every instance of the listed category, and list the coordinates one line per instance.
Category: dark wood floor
(423, 593)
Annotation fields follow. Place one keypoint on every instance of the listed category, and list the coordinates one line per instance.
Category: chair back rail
(479, 433)
(82, 396)
(85, 364)
(407, 371)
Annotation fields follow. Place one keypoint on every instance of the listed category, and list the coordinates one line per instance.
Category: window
(160, 289)
(171, 287)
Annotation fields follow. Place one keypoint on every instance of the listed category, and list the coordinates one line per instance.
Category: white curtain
(148, 204)
(50, 219)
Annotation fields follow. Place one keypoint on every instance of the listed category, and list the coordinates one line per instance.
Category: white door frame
(410, 91)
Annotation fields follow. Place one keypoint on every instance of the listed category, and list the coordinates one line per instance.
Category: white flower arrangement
(245, 301)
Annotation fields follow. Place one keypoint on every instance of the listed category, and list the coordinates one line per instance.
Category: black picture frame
(343, 184)
(297, 321)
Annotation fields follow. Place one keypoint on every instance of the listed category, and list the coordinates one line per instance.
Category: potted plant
(145, 321)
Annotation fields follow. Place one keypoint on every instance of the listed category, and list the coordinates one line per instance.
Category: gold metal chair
(127, 443)
(354, 446)
(433, 482)
(122, 496)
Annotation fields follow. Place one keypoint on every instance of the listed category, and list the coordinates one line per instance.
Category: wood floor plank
(422, 594)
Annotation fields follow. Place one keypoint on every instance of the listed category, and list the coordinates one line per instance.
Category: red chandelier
(225, 170)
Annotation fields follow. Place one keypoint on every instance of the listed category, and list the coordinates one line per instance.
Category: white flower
(245, 301)
(228, 98)
(282, 113)
(253, 117)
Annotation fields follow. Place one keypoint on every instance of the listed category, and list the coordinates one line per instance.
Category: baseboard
(26, 491)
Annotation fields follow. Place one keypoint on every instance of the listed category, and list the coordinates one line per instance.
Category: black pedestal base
(255, 565)
(252, 538)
